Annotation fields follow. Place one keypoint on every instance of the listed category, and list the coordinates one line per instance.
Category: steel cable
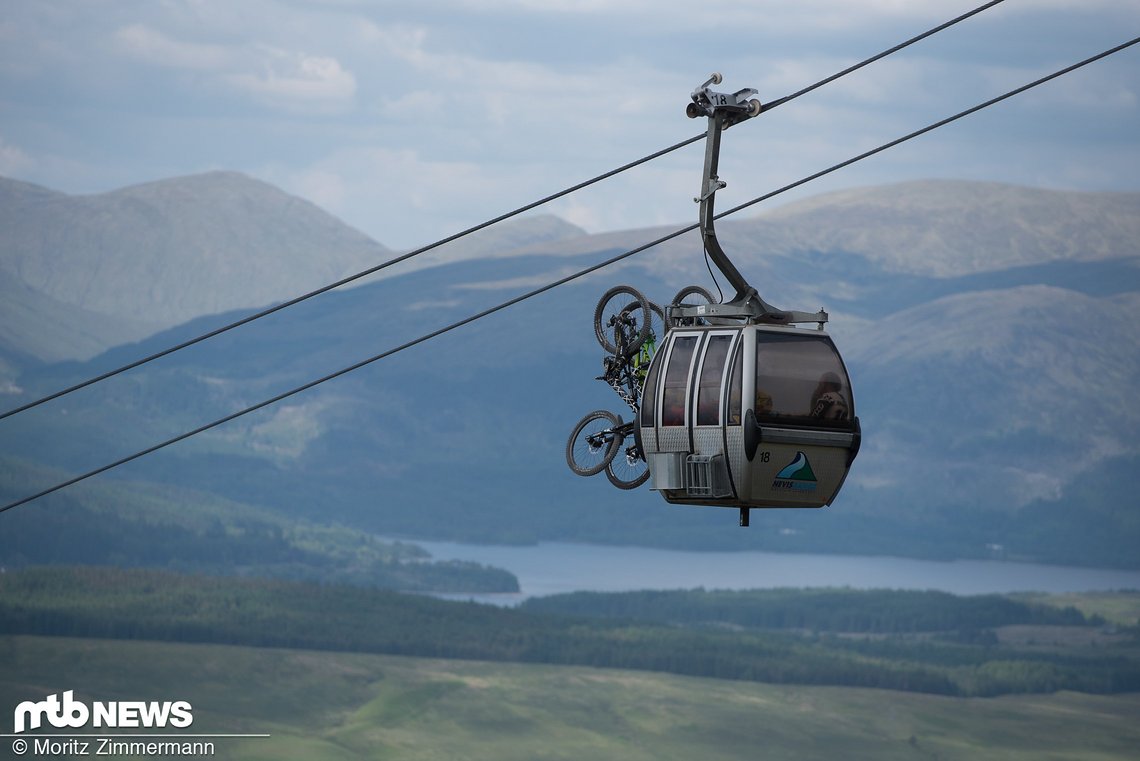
(557, 283)
(522, 209)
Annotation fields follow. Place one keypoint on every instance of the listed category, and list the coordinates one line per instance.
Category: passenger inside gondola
(828, 401)
(799, 381)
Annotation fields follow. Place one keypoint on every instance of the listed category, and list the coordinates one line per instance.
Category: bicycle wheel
(656, 320)
(625, 310)
(628, 469)
(633, 378)
(692, 295)
(656, 328)
(593, 443)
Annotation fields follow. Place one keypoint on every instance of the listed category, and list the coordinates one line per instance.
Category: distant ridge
(43, 327)
(165, 252)
(13, 190)
(89, 272)
(513, 237)
(930, 228)
(989, 332)
(83, 273)
(947, 228)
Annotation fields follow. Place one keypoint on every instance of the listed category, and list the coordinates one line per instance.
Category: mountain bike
(598, 443)
(627, 326)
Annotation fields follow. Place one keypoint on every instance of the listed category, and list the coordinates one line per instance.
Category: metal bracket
(723, 110)
(712, 186)
(739, 105)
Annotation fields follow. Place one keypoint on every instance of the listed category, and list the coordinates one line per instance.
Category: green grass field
(1121, 608)
(320, 705)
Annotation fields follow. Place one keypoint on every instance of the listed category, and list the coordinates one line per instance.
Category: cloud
(324, 187)
(362, 182)
(761, 17)
(297, 79)
(152, 46)
(13, 161)
(416, 120)
(274, 76)
(404, 198)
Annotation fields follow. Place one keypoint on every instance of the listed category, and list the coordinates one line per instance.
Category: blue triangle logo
(798, 469)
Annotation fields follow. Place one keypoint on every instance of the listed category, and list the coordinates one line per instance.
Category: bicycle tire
(615, 303)
(634, 380)
(657, 327)
(586, 458)
(627, 469)
(691, 295)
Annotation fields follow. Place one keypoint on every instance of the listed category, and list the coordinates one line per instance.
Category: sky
(415, 120)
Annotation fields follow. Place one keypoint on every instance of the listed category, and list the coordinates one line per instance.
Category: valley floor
(318, 705)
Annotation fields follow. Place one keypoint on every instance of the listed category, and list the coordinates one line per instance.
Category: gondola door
(685, 413)
(801, 433)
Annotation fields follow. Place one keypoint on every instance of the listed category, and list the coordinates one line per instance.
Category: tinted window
(801, 379)
(712, 374)
(649, 394)
(677, 381)
(735, 385)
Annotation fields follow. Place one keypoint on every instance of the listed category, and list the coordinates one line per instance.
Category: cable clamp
(713, 185)
(740, 105)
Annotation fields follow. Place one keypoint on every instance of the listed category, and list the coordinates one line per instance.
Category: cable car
(748, 416)
(740, 407)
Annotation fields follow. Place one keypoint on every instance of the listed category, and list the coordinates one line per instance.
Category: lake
(552, 568)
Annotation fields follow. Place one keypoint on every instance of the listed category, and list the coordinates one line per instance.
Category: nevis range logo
(797, 475)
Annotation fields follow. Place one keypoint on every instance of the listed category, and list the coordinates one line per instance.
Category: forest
(816, 610)
(133, 526)
(923, 642)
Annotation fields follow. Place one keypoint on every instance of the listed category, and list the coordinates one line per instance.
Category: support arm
(724, 110)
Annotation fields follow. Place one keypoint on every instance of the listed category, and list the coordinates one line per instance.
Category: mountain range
(131, 262)
(991, 333)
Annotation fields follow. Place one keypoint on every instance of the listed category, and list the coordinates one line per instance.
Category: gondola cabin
(748, 416)
(739, 407)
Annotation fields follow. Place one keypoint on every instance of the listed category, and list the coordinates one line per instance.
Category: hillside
(935, 228)
(921, 642)
(151, 256)
(799, 674)
(993, 391)
(52, 331)
(514, 237)
(954, 228)
(133, 525)
(350, 706)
